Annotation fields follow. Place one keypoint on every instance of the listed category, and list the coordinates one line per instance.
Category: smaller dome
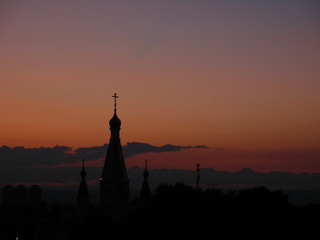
(115, 122)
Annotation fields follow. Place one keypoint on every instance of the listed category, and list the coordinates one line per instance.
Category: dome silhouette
(115, 122)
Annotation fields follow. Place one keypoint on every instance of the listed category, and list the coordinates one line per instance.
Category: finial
(115, 96)
(83, 163)
(146, 164)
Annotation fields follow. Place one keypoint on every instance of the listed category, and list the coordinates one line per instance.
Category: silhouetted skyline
(171, 210)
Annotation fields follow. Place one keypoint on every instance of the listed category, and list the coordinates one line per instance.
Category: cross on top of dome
(115, 96)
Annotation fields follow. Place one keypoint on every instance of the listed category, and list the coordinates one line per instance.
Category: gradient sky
(237, 75)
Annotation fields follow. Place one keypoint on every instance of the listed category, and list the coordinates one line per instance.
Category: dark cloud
(91, 153)
(20, 156)
(133, 148)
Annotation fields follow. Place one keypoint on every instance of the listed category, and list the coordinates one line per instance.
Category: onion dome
(115, 122)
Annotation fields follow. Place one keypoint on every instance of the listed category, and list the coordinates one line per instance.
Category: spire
(83, 172)
(83, 203)
(146, 174)
(145, 190)
(114, 182)
(83, 190)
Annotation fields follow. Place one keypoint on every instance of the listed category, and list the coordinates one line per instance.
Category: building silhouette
(145, 189)
(114, 182)
(8, 193)
(82, 200)
(21, 197)
(17, 196)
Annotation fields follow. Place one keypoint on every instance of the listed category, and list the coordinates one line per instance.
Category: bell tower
(114, 182)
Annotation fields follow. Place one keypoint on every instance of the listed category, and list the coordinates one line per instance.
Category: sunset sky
(240, 77)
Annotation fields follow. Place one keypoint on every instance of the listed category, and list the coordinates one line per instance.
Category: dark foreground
(175, 211)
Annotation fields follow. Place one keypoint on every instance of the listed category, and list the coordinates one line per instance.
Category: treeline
(181, 211)
(173, 211)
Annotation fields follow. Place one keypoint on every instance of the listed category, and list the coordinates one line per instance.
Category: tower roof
(115, 122)
(145, 190)
(83, 190)
(114, 182)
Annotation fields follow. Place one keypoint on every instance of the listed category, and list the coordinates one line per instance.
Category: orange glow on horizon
(205, 73)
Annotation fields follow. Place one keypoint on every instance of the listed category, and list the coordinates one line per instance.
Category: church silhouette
(179, 210)
(175, 211)
(114, 182)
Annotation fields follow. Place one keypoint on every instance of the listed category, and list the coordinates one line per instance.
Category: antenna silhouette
(198, 177)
